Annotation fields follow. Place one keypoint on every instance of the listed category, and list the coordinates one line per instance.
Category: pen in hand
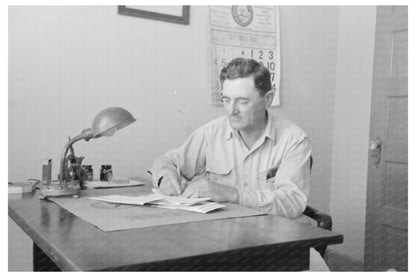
(170, 178)
(178, 190)
(158, 182)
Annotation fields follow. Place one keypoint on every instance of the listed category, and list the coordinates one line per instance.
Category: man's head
(242, 68)
(246, 93)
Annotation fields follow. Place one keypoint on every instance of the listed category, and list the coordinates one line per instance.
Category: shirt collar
(269, 132)
(229, 132)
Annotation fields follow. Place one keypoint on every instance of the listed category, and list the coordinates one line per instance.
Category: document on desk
(157, 199)
(110, 216)
(129, 200)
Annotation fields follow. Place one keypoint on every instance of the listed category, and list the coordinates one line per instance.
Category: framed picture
(173, 14)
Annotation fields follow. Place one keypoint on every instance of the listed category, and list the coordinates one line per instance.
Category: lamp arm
(85, 134)
(71, 149)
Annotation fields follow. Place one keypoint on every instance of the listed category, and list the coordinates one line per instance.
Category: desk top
(75, 245)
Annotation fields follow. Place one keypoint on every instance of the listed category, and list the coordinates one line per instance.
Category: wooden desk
(63, 241)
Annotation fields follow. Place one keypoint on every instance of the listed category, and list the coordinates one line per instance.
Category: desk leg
(41, 261)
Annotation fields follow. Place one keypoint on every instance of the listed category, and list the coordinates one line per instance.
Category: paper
(130, 200)
(187, 204)
(178, 200)
(200, 208)
(99, 184)
(22, 187)
(113, 216)
(163, 201)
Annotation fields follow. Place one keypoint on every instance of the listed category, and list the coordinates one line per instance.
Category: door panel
(386, 241)
(394, 254)
(397, 125)
(395, 188)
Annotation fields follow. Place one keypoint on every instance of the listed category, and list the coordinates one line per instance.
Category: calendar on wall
(244, 31)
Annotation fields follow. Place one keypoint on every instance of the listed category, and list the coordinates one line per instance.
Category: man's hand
(217, 192)
(169, 185)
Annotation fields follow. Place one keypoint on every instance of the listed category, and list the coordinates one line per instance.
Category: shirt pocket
(219, 172)
(264, 181)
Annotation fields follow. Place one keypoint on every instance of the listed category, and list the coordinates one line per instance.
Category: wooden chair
(323, 220)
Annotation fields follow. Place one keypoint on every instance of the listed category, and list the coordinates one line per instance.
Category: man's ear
(269, 98)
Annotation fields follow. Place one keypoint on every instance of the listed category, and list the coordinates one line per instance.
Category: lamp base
(57, 189)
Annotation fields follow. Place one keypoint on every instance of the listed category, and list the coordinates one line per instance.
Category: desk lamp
(105, 123)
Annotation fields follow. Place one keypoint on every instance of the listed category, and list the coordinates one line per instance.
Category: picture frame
(161, 16)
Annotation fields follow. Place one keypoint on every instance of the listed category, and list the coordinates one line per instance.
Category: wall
(68, 63)
(351, 126)
(308, 51)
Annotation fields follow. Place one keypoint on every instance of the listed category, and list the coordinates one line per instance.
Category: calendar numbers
(261, 54)
(271, 66)
(266, 58)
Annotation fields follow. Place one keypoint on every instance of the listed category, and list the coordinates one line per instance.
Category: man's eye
(225, 100)
(243, 101)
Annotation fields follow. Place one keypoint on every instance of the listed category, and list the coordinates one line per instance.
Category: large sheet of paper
(114, 217)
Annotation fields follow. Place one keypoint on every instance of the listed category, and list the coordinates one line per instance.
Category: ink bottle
(106, 173)
(89, 172)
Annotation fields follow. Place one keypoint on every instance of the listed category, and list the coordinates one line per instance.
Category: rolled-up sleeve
(287, 195)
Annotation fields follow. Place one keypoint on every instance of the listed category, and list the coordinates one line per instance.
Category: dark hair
(241, 68)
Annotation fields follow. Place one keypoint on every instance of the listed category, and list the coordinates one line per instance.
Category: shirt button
(245, 185)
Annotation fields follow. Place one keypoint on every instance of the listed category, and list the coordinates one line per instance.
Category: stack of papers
(162, 201)
(178, 200)
(199, 208)
(22, 187)
(188, 204)
(129, 200)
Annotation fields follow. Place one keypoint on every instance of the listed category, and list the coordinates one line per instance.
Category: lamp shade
(109, 120)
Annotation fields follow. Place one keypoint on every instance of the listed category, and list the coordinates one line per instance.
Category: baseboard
(341, 262)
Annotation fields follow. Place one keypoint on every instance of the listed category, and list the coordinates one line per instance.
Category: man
(248, 157)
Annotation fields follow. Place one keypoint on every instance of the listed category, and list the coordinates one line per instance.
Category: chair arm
(324, 221)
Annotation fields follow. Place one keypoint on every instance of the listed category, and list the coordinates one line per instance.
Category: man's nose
(232, 108)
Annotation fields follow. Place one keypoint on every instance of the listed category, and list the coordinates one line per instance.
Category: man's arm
(171, 171)
(287, 194)
(217, 192)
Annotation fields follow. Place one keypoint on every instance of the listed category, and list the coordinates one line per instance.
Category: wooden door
(386, 239)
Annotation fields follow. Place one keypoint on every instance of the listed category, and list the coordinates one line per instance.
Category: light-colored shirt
(218, 152)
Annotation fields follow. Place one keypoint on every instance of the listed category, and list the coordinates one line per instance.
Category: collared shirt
(273, 176)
